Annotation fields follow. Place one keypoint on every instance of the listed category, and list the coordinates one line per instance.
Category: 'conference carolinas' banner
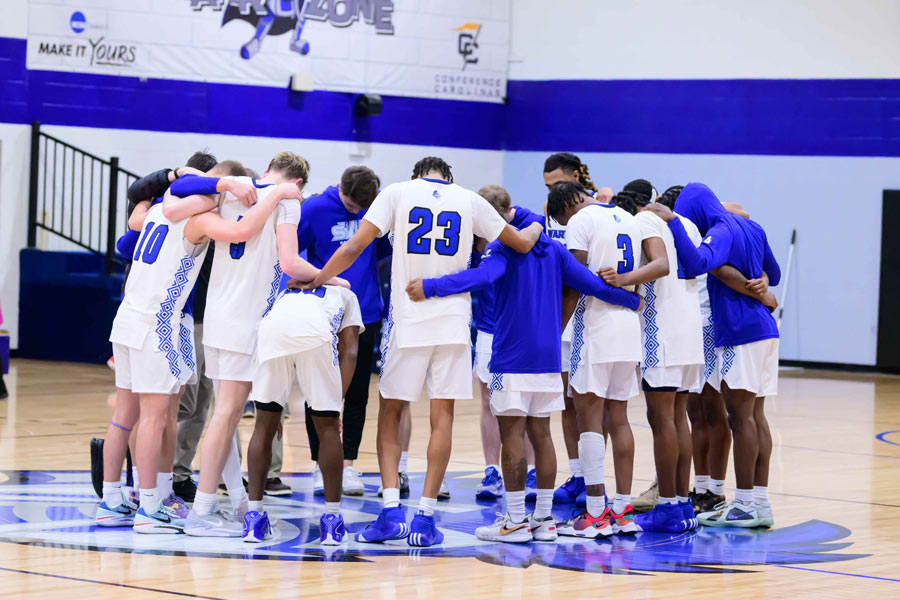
(429, 48)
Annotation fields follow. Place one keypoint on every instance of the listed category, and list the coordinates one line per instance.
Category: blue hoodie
(732, 240)
(528, 288)
(483, 300)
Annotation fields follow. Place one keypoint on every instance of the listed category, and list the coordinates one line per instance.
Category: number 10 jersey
(432, 224)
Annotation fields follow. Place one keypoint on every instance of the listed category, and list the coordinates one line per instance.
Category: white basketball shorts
(752, 367)
(526, 394)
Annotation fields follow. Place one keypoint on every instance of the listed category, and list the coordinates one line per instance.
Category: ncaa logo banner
(426, 48)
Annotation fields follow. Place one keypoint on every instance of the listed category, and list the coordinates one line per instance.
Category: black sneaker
(186, 490)
(224, 489)
(276, 487)
(3, 393)
(705, 502)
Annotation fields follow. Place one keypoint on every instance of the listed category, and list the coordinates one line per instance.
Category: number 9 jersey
(432, 225)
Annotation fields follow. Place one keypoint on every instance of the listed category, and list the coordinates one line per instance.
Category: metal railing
(75, 195)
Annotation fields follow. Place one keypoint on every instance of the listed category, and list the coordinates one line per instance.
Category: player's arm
(487, 272)
(348, 344)
(657, 266)
(155, 184)
(126, 244)
(137, 216)
(194, 185)
(579, 277)
(347, 253)
(521, 241)
(569, 303)
(712, 253)
(758, 289)
(770, 265)
(212, 225)
(736, 209)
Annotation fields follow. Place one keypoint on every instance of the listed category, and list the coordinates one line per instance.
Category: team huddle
(576, 312)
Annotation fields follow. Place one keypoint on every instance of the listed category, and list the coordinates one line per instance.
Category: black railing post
(112, 222)
(33, 183)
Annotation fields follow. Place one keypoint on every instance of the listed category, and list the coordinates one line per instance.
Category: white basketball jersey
(300, 321)
(432, 224)
(164, 270)
(670, 322)
(243, 282)
(612, 238)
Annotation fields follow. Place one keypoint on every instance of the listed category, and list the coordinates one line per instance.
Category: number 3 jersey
(245, 277)
(612, 238)
(163, 272)
(432, 224)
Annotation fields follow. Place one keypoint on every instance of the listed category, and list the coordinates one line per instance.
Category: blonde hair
(290, 166)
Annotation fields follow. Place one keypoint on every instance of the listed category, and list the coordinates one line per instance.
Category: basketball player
(606, 349)
(155, 364)
(746, 342)
(433, 222)
(242, 287)
(672, 359)
(525, 387)
(483, 318)
(564, 166)
(309, 339)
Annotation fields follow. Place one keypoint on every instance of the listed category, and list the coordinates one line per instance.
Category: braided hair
(432, 163)
(563, 195)
(641, 188)
(629, 201)
(570, 163)
(669, 197)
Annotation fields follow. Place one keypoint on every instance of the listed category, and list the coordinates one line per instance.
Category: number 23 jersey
(432, 224)
(612, 238)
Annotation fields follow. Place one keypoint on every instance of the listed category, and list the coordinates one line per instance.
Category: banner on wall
(430, 48)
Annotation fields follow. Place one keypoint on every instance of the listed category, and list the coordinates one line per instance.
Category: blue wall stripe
(816, 117)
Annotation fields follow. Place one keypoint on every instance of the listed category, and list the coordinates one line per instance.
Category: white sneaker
(505, 530)
(318, 482)
(765, 517)
(543, 530)
(731, 514)
(215, 524)
(444, 493)
(352, 484)
(404, 485)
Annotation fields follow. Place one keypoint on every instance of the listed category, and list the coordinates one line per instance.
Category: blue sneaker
(491, 487)
(664, 518)
(423, 532)
(390, 525)
(569, 492)
(116, 516)
(332, 530)
(687, 511)
(257, 527)
(531, 486)
(162, 520)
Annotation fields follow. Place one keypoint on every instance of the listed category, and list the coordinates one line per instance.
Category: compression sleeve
(489, 271)
(149, 186)
(125, 245)
(188, 185)
(712, 253)
(770, 266)
(580, 278)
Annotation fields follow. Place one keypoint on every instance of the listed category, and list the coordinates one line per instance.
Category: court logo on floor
(56, 508)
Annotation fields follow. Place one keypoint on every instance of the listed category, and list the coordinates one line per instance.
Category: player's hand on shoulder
(416, 290)
(661, 211)
(244, 192)
(338, 281)
(609, 275)
(296, 284)
(288, 190)
(535, 230)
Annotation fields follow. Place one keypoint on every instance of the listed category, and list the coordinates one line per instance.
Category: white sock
(591, 450)
(745, 497)
(701, 483)
(620, 503)
(255, 505)
(231, 473)
(427, 506)
(530, 468)
(544, 504)
(515, 505)
(204, 503)
(164, 484)
(333, 508)
(760, 494)
(391, 497)
(595, 505)
(495, 466)
(404, 456)
(667, 500)
(134, 478)
(717, 486)
(149, 500)
(575, 467)
(680, 499)
(112, 493)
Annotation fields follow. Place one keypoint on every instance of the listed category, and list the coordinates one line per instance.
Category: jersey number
(423, 218)
(623, 242)
(151, 243)
(237, 250)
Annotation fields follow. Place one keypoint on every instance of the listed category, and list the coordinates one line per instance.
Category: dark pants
(355, 401)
